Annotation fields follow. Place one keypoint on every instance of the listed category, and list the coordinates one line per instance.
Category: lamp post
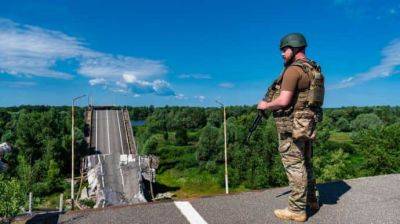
(225, 146)
(73, 150)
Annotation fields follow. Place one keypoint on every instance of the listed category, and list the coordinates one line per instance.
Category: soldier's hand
(262, 105)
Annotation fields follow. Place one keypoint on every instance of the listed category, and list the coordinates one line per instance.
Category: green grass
(193, 136)
(190, 182)
(340, 137)
(193, 182)
(357, 162)
(51, 201)
(357, 159)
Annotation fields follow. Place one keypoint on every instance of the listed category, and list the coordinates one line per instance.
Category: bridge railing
(88, 125)
(129, 133)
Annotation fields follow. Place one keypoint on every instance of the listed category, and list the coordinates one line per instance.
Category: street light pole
(225, 147)
(73, 150)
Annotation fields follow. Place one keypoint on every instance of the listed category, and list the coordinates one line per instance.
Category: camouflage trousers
(296, 158)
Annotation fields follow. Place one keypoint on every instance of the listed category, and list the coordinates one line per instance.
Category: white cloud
(120, 90)
(227, 85)
(117, 67)
(121, 84)
(194, 76)
(157, 87)
(98, 81)
(162, 88)
(33, 51)
(389, 63)
(129, 78)
(128, 74)
(200, 98)
(180, 96)
(18, 84)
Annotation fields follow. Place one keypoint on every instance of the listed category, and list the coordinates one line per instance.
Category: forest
(351, 142)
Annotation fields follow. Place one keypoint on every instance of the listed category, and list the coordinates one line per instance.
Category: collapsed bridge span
(115, 170)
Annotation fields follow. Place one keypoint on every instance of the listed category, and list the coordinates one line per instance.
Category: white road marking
(122, 177)
(101, 169)
(189, 212)
(120, 135)
(108, 134)
(98, 157)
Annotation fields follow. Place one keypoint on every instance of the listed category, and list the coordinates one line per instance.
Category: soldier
(295, 99)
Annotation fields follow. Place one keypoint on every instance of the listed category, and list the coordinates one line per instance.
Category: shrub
(11, 197)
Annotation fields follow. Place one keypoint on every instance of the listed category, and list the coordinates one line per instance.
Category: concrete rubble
(4, 148)
(164, 196)
(142, 166)
(148, 166)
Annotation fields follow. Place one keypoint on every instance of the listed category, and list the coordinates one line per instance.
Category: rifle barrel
(256, 122)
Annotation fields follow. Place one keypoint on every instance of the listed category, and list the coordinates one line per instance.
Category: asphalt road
(363, 200)
(110, 142)
(108, 132)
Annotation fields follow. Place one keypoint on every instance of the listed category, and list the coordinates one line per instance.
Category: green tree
(327, 122)
(11, 197)
(181, 136)
(25, 174)
(343, 124)
(380, 148)
(215, 118)
(333, 166)
(7, 136)
(5, 117)
(150, 147)
(366, 121)
(52, 179)
(207, 147)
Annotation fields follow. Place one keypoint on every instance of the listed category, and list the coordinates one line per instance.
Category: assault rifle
(261, 113)
(256, 122)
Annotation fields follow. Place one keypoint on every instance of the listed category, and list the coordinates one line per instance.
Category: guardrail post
(30, 203)
(60, 208)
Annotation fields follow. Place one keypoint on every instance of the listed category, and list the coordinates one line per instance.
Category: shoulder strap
(302, 64)
(306, 66)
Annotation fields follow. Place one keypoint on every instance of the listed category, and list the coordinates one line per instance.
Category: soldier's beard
(289, 61)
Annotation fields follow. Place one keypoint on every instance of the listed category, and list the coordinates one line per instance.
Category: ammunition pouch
(304, 122)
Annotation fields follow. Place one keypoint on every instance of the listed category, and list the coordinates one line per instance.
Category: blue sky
(192, 52)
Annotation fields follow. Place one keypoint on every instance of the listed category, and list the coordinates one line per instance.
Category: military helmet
(293, 40)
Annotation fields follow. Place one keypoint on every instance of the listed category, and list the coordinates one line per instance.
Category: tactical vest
(304, 111)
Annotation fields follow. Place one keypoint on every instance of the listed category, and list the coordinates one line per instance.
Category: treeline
(197, 117)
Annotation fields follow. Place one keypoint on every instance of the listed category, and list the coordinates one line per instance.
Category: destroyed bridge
(116, 174)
